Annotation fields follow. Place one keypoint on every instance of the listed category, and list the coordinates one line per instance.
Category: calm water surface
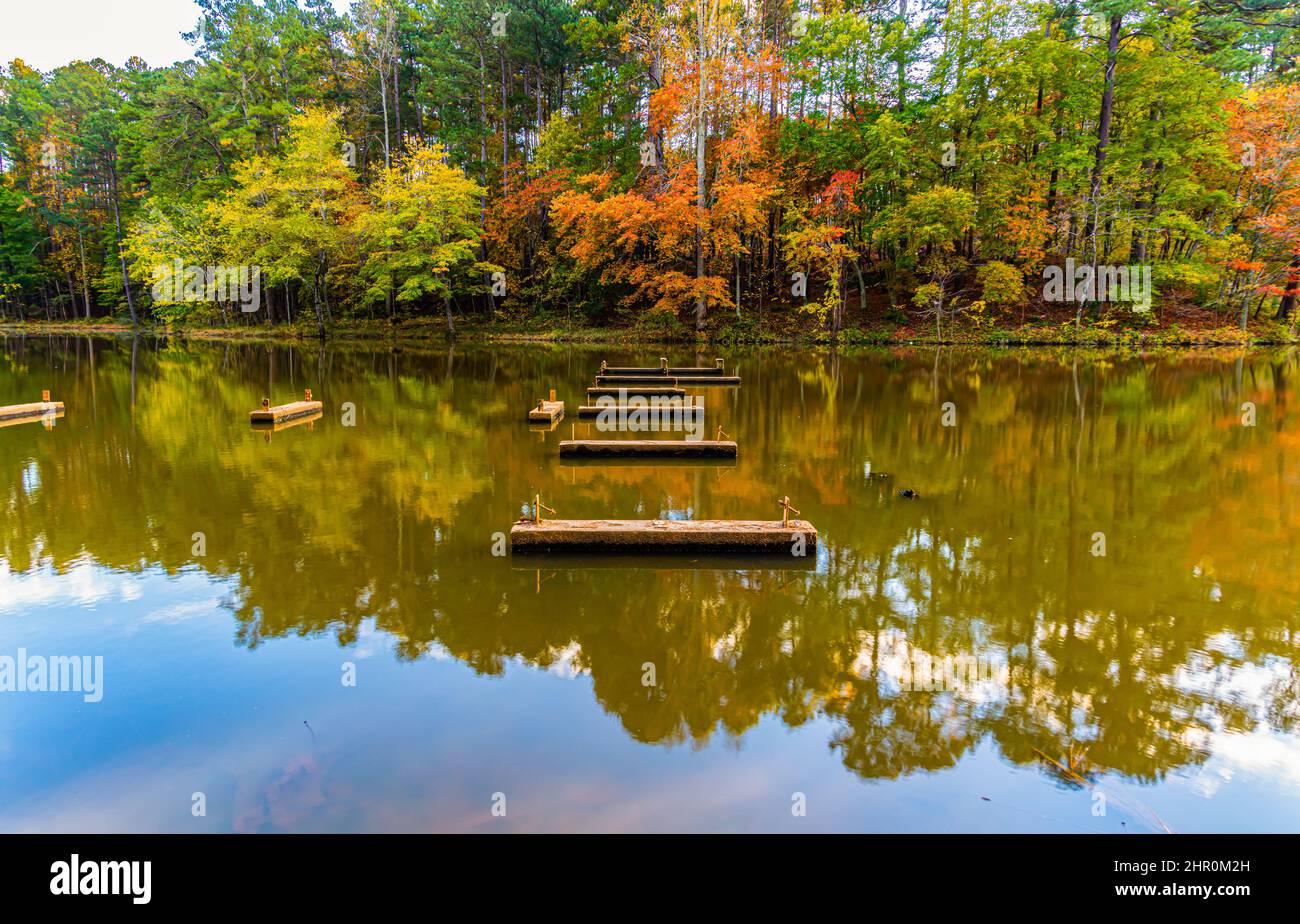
(1153, 687)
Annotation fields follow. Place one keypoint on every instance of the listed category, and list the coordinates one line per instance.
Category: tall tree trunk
(1103, 132)
(121, 257)
(701, 308)
(505, 124)
(316, 303)
(85, 279)
(397, 101)
(1286, 307)
(1145, 206)
(901, 65)
(383, 104)
(482, 159)
(1091, 224)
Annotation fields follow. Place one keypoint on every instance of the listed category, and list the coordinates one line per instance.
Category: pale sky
(49, 33)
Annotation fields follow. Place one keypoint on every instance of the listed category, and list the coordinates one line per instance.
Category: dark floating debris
(908, 493)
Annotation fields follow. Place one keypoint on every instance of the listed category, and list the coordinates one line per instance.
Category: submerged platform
(691, 449)
(285, 412)
(546, 412)
(24, 413)
(659, 535)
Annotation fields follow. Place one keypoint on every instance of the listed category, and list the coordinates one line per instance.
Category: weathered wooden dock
(662, 369)
(691, 449)
(667, 380)
(664, 559)
(546, 412)
(786, 536)
(655, 412)
(25, 413)
(664, 380)
(623, 392)
(285, 412)
(712, 463)
(269, 427)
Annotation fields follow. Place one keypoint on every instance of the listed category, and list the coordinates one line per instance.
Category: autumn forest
(678, 168)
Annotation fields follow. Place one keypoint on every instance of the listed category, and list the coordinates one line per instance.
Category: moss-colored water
(1151, 686)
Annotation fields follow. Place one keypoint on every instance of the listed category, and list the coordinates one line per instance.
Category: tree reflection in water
(1123, 663)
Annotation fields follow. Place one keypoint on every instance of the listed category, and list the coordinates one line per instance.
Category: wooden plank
(713, 463)
(650, 412)
(607, 379)
(664, 559)
(546, 412)
(32, 411)
(663, 370)
(675, 380)
(667, 380)
(671, 535)
(623, 392)
(639, 371)
(283, 412)
(712, 449)
(695, 370)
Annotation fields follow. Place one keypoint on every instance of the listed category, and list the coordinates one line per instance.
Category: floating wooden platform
(546, 412)
(712, 463)
(285, 412)
(604, 378)
(659, 535)
(667, 380)
(25, 413)
(665, 559)
(660, 412)
(634, 391)
(665, 370)
(693, 449)
(268, 426)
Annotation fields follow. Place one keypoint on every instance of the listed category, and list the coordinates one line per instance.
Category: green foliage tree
(420, 229)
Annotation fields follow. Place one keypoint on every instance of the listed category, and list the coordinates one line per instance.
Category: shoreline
(423, 332)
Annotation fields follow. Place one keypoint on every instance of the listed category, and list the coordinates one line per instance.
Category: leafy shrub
(1003, 284)
(660, 325)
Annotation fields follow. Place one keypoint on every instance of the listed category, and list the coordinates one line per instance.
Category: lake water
(1088, 620)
